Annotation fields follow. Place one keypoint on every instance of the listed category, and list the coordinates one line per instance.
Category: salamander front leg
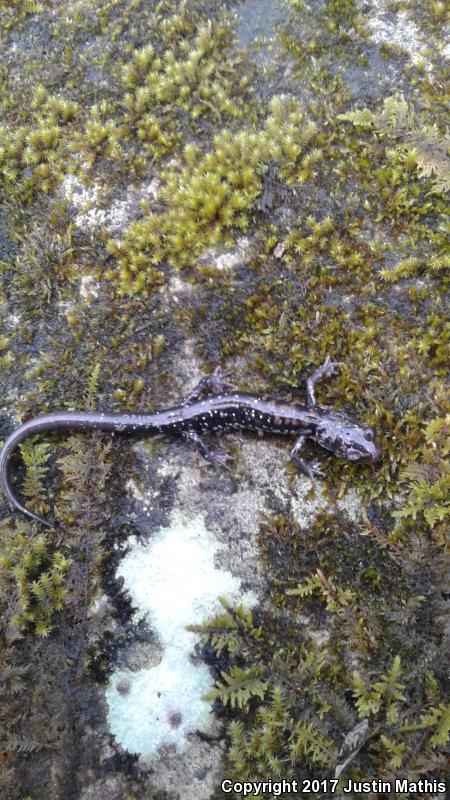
(217, 457)
(210, 384)
(310, 468)
(328, 368)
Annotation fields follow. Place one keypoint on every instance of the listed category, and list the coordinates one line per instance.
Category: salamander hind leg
(210, 384)
(309, 468)
(217, 457)
(328, 368)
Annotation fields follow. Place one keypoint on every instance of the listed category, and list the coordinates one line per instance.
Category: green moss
(162, 88)
(427, 482)
(207, 195)
(420, 145)
(14, 12)
(189, 75)
(32, 156)
(5, 356)
(328, 29)
(429, 16)
(39, 572)
(349, 658)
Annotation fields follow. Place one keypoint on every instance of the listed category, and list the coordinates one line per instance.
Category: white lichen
(173, 582)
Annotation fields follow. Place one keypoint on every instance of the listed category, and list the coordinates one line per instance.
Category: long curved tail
(8, 449)
(66, 420)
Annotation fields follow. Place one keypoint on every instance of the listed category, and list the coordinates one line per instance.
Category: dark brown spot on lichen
(174, 718)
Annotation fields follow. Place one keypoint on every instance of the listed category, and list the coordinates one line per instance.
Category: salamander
(212, 406)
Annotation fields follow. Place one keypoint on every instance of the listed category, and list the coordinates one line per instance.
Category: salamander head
(346, 437)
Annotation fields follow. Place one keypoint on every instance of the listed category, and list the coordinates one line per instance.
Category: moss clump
(100, 138)
(179, 78)
(14, 12)
(429, 16)
(327, 30)
(5, 356)
(420, 145)
(426, 478)
(39, 571)
(189, 75)
(46, 261)
(208, 195)
(33, 156)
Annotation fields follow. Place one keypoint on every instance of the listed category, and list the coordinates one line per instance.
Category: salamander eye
(368, 436)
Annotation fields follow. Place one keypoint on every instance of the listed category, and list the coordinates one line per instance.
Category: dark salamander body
(221, 411)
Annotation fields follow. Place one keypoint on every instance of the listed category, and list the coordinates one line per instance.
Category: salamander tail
(8, 448)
